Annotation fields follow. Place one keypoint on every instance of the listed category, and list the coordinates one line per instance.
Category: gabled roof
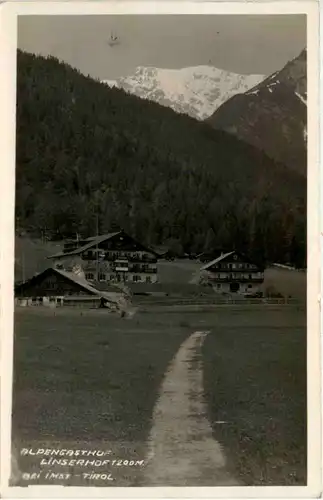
(221, 257)
(218, 259)
(96, 240)
(104, 236)
(93, 241)
(106, 286)
(83, 283)
(212, 251)
(160, 250)
(77, 280)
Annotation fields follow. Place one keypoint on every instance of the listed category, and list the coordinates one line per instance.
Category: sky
(257, 44)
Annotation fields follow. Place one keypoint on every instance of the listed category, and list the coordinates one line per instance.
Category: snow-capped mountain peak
(197, 91)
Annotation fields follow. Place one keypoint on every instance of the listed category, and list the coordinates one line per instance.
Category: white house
(232, 272)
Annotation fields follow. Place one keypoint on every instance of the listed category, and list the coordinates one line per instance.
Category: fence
(289, 268)
(190, 305)
(214, 301)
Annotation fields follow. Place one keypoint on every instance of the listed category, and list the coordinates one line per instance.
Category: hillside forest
(92, 158)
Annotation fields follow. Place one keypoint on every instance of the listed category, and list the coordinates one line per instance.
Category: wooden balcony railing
(227, 279)
(112, 258)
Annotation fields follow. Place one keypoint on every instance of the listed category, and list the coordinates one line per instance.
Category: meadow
(255, 383)
(87, 376)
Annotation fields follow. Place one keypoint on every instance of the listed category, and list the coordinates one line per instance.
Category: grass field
(287, 282)
(103, 370)
(90, 378)
(255, 382)
(95, 377)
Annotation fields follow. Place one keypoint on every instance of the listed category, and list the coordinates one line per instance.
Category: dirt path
(182, 451)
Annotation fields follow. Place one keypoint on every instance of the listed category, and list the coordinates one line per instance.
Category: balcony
(151, 260)
(113, 256)
(227, 279)
(239, 268)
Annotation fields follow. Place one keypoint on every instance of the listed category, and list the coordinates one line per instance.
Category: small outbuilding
(55, 287)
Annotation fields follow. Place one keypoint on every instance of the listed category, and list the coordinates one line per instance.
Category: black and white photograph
(161, 251)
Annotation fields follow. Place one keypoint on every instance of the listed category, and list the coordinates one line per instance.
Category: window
(148, 279)
(235, 257)
(136, 278)
(102, 277)
(250, 276)
(249, 286)
(218, 285)
(89, 276)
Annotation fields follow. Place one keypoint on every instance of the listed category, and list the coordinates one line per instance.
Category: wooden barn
(56, 287)
(233, 272)
(114, 257)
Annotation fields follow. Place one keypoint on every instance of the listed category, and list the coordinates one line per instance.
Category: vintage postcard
(160, 273)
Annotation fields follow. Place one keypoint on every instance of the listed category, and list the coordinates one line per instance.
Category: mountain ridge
(196, 91)
(272, 115)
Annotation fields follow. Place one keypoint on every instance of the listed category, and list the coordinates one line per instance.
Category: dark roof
(160, 250)
(228, 254)
(93, 240)
(104, 286)
(102, 236)
(96, 240)
(83, 283)
(218, 259)
(212, 254)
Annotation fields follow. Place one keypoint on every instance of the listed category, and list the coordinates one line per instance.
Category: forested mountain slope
(86, 152)
(273, 115)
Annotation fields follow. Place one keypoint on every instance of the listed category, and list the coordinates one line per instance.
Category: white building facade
(234, 273)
